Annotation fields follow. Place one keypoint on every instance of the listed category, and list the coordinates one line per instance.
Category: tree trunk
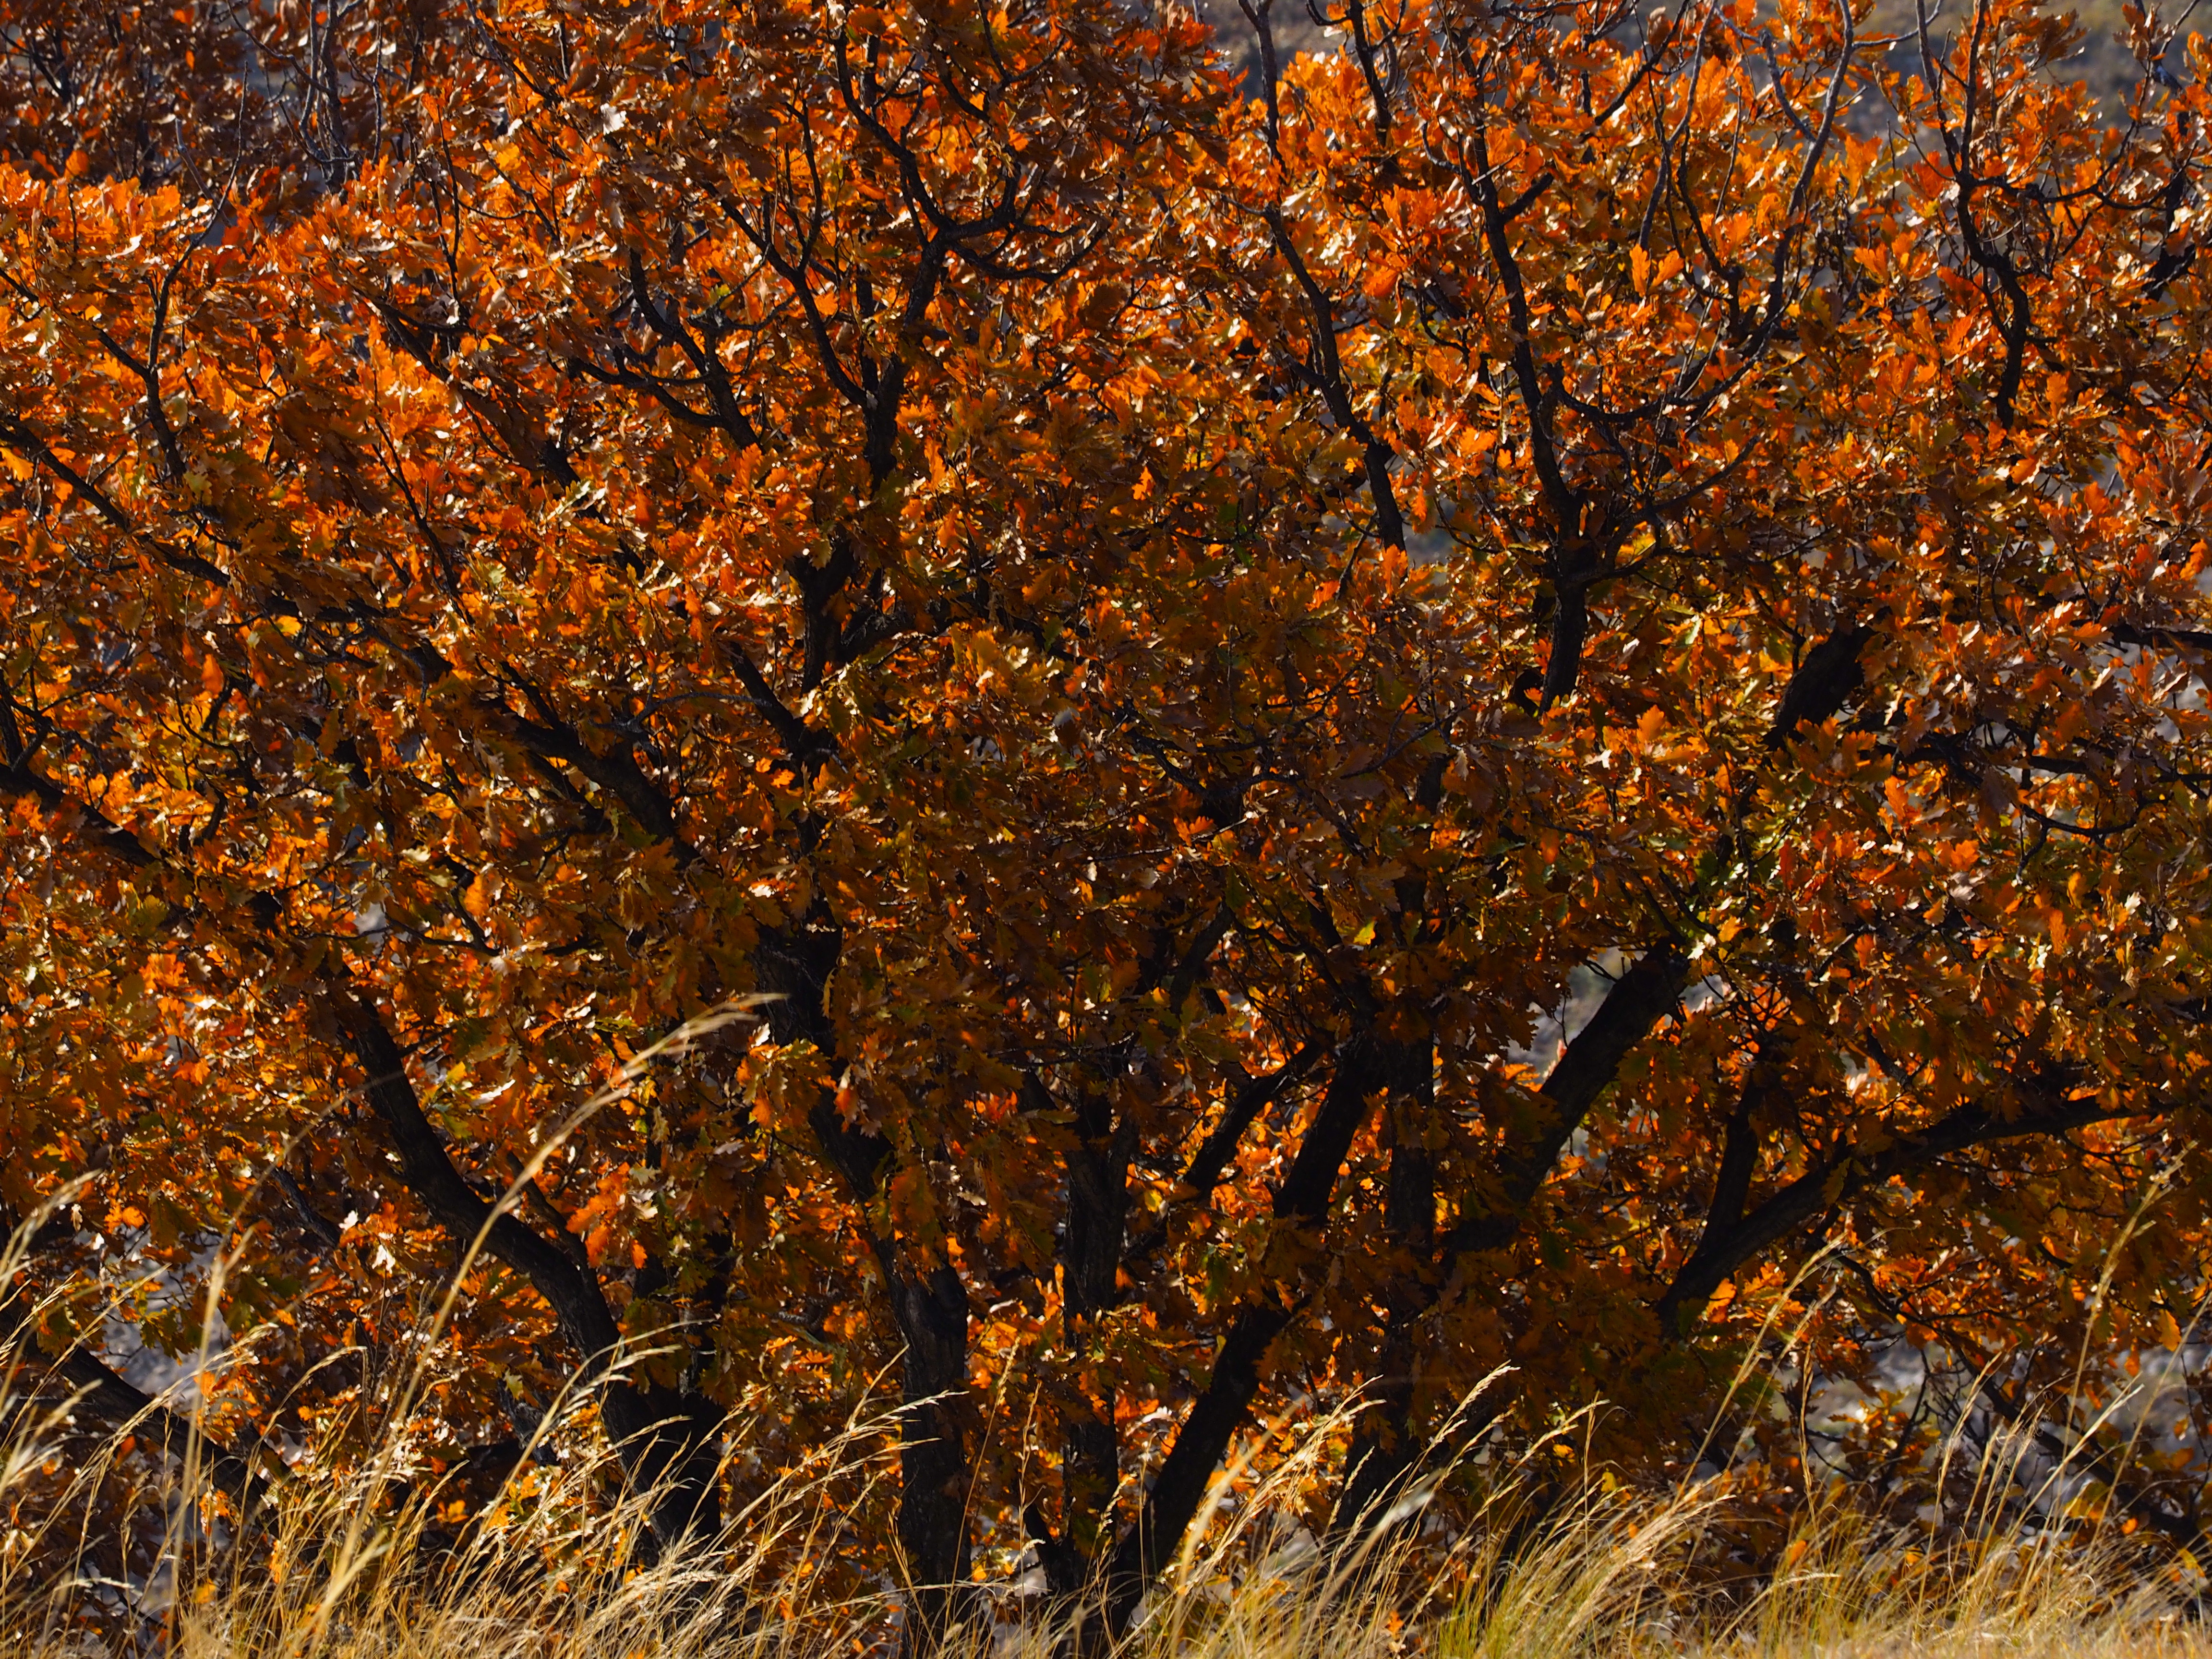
(1385, 1448)
(928, 1302)
(1303, 1200)
(1090, 1261)
(666, 1441)
(931, 1307)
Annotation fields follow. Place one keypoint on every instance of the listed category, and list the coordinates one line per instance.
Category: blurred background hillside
(2101, 60)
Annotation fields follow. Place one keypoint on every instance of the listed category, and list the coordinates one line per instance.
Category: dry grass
(334, 1568)
(108, 1546)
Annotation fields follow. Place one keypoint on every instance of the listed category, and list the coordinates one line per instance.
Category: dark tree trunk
(665, 1440)
(931, 1306)
(1385, 1449)
(1303, 1200)
(1091, 1262)
(928, 1304)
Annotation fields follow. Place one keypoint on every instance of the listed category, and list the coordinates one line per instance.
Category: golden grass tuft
(334, 1567)
(109, 1546)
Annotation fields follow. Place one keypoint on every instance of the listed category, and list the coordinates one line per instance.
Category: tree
(1444, 719)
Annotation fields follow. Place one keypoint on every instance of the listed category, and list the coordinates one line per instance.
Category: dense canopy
(1533, 700)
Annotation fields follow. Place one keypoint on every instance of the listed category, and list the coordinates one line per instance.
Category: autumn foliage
(1139, 656)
